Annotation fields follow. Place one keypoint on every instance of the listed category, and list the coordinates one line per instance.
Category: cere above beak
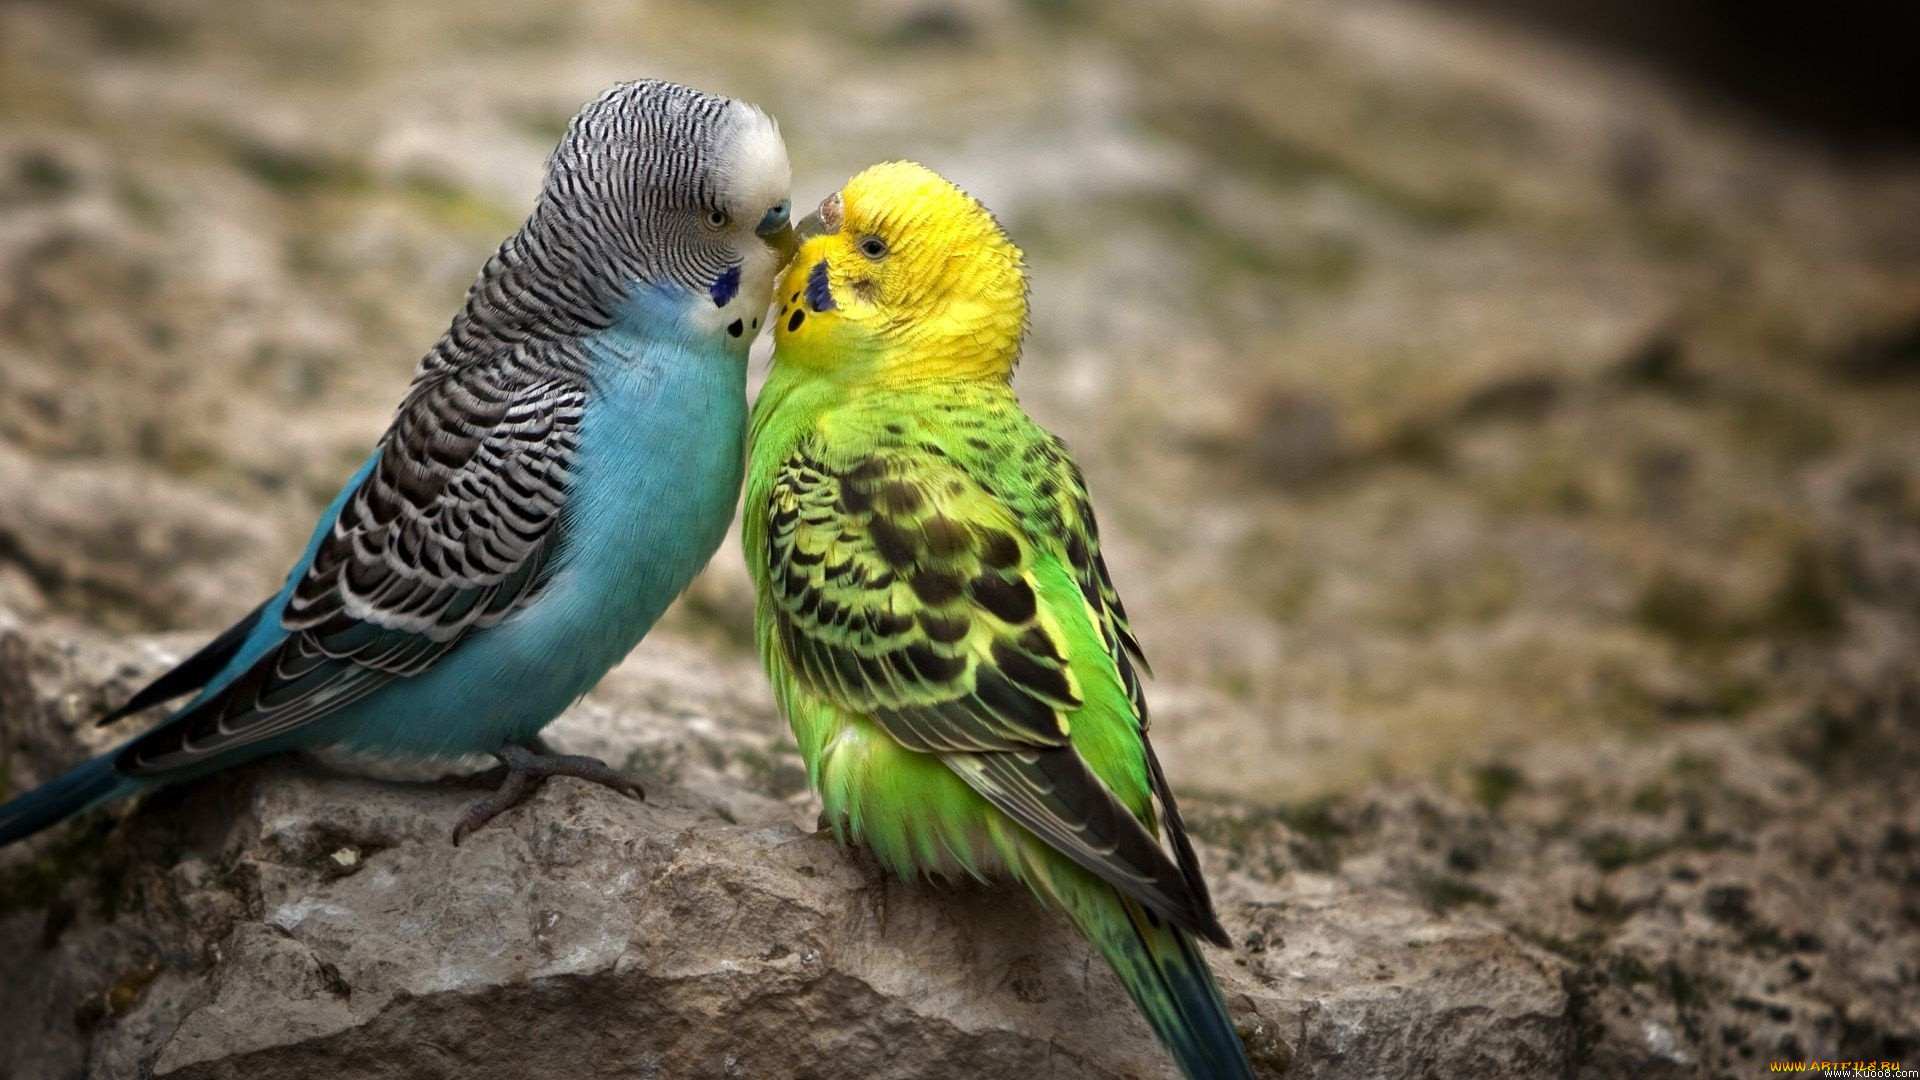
(822, 221)
(775, 217)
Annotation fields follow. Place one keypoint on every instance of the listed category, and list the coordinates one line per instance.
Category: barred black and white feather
(463, 516)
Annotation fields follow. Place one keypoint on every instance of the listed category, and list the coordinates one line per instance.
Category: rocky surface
(1507, 458)
(1442, 389)
(1696, 909)
(296, 919)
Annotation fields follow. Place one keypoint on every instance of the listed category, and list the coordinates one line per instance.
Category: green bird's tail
(1162, 969)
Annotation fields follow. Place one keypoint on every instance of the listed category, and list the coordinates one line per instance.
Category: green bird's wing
(902, 590)
(1080, 547)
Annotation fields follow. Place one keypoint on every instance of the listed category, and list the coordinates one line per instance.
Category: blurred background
(1457, 381)
(1504, 418)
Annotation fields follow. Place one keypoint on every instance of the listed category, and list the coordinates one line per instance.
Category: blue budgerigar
(567, 459)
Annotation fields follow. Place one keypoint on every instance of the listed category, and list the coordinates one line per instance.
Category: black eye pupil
(872, 247)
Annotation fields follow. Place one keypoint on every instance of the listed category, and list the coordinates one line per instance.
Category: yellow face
(908, 271)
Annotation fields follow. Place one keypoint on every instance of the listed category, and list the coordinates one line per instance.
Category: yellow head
(906, 279)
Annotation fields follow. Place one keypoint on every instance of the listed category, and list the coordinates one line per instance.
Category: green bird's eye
(873, 247)
(717, 220)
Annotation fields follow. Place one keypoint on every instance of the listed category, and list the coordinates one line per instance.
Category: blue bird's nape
(567, 458)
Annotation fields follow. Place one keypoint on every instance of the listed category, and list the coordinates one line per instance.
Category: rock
(124, 547)
(1653, 910)
(294, 917)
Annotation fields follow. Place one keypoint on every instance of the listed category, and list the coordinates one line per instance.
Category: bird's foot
(521, 772)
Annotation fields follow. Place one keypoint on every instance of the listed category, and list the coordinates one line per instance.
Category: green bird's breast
(909, 806)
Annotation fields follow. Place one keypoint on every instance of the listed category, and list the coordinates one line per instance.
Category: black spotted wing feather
(1065, 498)
(1080, 547)
(902, 596)
(453, 529)
(902, 590)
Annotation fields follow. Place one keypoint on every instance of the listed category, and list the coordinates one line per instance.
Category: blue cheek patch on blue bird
(819, 295)
(725, 287)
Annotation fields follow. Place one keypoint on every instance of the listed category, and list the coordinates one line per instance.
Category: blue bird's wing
(195, 671)
(454, 528)
(242, 644)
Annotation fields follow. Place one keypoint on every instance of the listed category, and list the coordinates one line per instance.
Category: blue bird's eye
(775, 217)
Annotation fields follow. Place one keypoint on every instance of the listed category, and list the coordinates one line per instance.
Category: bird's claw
(521, 772)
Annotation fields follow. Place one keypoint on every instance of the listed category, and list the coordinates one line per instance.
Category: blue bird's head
(678, 194)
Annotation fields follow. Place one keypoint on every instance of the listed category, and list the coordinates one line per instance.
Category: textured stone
(295, 917)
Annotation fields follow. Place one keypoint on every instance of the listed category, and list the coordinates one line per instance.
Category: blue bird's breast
(662, 451)
(651, 491)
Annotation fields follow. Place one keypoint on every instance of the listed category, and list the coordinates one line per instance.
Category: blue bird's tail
(1161, 966)
(82, 787)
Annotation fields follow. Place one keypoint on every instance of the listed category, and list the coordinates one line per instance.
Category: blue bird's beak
(776, 228)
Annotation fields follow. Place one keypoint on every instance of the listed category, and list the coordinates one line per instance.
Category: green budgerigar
(934, 612)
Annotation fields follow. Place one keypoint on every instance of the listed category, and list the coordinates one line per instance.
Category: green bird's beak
(776, 228)
(783, 240)
(822, 221)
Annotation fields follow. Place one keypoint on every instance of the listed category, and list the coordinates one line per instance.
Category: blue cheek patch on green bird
(725, 287)
(819, 294)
